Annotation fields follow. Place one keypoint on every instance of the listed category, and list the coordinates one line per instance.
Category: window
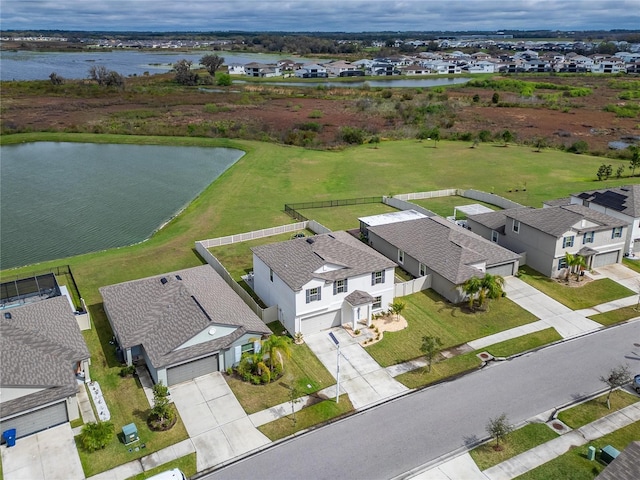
(617, 232)
(516, 226)
(271, 275)
(377, 302)
(588, 237)
(423, 269)
(567, 241)
(248, 348)
(313, 295)
(340, 286)
(377, 277)
(400, 256)
(494, 236)
(562, 263)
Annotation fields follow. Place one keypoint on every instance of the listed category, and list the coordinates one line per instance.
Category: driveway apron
(215, 420)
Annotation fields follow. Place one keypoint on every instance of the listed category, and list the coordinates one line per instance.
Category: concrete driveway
(48, 455)
(621, 274)
(361, 377)
(216, 422)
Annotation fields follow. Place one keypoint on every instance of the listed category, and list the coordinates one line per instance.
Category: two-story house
(323, 281)
(311, 70)
(546, 234)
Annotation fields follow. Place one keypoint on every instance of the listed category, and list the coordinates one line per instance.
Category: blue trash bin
(10, 437)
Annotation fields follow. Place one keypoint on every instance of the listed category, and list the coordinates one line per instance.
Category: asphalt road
(396, 437)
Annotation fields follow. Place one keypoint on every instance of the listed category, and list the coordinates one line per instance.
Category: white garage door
(605, 259)
(188, 371)
(320, 322)
(502, 270)
(37, 421)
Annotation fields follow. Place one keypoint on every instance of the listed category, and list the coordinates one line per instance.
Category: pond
(64, 199)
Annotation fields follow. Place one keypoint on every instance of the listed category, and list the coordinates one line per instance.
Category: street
(391, 439)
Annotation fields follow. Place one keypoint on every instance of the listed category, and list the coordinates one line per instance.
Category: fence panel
(412, 286)
(242, 237)
(291, 209)
(404, 205)
(317, 227)
(422, 195)
(490, 198)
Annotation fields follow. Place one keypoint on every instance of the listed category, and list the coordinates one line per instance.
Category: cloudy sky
(319, 15)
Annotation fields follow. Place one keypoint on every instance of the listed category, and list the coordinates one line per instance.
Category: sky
(319, 15)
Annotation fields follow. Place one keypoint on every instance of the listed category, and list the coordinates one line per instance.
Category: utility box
(591, 453)
(130, 433)
(10, 437)
(609, 454)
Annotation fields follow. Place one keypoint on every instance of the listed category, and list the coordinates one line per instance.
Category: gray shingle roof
(625, 199)
(39, 346)
(358, 297)
(444, 247)
(626, 466)
(493, 220)
(558, 220)
(295, 261)
(162, 315)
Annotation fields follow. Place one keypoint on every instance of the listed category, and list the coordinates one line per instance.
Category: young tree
(276, 348)
(619, 171)
(397, 307)
(435, 136)
(430, 347)
(212, 63)
(184, 75)
(162, 410)
(635, 159)
(495, 98)
(540, 143)
(95, 436)
(498, 428)
(617, 377)
(106, 78)
(507, 137)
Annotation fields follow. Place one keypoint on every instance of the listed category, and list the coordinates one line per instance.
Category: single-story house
(619, 202)
(182, 324)
(448, 252)
(44, 361)
(323, 281)
(546, 234)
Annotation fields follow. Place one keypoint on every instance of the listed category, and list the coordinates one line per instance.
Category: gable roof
(39, 345)
(296, 261)
(625, 199)
(444, 247)
(559, 219)
(493, 220)
(165, 311)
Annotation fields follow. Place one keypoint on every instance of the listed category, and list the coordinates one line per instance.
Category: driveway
(621, 274)
(361, 377)
(48, 455)
(216, 422)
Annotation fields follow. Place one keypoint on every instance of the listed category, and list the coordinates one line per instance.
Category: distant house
(236, 69)
(44, 361)
(182, 324)
(323, 281)
(448, 252)
(546, 234)
(415, 70)
(312, 70)
(341, 68)
(262, 70)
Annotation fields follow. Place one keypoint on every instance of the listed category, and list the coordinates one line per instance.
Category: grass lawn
(428, 313)
(524, 343)
(616, 316)
(301, 370)
(307, 417)
(345, 217)
(447, 368)
(518, 441)
(632, 264)
(186, 464)
(444, 206)
(574, 465)
(590, 294)
(594, 409)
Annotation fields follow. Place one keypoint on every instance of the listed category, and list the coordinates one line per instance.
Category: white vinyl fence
(412, 286)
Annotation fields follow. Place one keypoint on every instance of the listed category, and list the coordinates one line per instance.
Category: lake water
(396, 82)
(64, 199)
(23, 65)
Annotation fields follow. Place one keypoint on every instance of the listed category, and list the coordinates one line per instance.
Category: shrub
(315, 114)
(95, 436)
(128, 370)
(386, 94)
(495, 98)
(352, 135)
(484, 135)
(579, 147)
(223, 80)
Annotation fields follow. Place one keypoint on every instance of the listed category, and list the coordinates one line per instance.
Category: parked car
(175, 474)
(636, 383)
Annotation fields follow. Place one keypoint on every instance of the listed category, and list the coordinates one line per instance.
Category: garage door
(320, 322)
(39, 420)
(605, 259)
(502, 270)
(188, 371)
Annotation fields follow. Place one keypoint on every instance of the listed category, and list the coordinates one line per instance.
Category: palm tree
(570, 260)
(471, 288)
(491, 286)
(253, 362)
(580, 265)
(397, 307)
(277, 348)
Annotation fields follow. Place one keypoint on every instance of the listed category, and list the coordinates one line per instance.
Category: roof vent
(163, 280)
(178, 277)
(331, 236)
(310, 241)
(7, 315)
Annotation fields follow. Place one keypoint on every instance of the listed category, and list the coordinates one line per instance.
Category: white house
(262, 70)
(312, 70)
(236, 69)
(323, 281)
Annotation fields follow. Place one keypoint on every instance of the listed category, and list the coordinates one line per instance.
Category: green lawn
(186, 464)
(345, 217)
(590, 294)
(594, 409)
(524, 343)
(632, 264)
(616, 316)
(301, 370)
(307, 417)
(518, 441)
(428, 313)
(444, 206)
(457, 365)
(574, 465)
